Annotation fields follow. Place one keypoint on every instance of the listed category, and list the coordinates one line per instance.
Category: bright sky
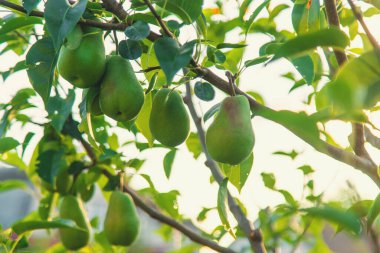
(191, 177)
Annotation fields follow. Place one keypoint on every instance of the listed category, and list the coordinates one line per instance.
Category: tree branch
(153, 213)
(359, 17)
(254, 236)
(158, 18)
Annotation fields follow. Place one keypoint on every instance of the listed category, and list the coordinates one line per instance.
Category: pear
(82, 58)
(121, 95)
(169, 121)
(121, 225)
(72, 209)
(230, 138)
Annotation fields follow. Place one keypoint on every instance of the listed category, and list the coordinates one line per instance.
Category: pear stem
(231, 81)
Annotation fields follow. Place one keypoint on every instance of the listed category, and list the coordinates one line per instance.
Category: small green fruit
(121, 95)
(72, 209)
(230, 138)
(169, 121)
(121, 224)
(82, 58)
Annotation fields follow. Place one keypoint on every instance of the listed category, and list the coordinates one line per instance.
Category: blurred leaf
(26, 141)
(12, 158)
(202, 215)
(188, 11)
(29, 5)
(204, 91)
(7, 185)
(139, 30)
(292, 154)
(255, 13)
(305, 66)
(330, 37)
(346, 220)
(306, 169)
(168, 162)
(305, 16)
(168, 202)
(19, 22)
(230, 45)
(7, 143)
(374, 212)
(216, 56)
(25, 226)
(222, 208)
(256, 61)
(61, 18)
(172, 57)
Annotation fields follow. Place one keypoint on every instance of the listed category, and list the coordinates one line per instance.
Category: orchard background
(314, 166)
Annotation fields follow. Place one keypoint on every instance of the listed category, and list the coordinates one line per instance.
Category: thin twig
(159, 19)
(359, 17)
(254, 236)
(231, 81)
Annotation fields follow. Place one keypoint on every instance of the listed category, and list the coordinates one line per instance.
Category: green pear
(72, 209)
(230, 138)
(121, 225)
(82, 58)
(121, 95)
(169, 121)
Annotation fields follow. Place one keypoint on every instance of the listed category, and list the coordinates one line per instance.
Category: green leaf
(168, 162)
(149, 60)
(238, 174)
(256, 12)
(137, 31)
(356, 86)
(29, 5)
(230, 45)
(374, 212)
(345, 219)
(49, 164)
(330, 37)
(204, 91)
(25, 226)
(288, 197)
(168, 202)
(188, 11)
(306, 169)
(292, 154)
(8, 185)
(214, 109)
(222, 206)
(19, 22)
(41, 60)
(7, 143)
(216, 56)
(299, 123)
(193, 145)
(256, 61)
(305, 66)
(12, 158)
(130, 49)
(59, 109)
(172, 57)
(61, 18)
(269, 180)
(142, 121)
